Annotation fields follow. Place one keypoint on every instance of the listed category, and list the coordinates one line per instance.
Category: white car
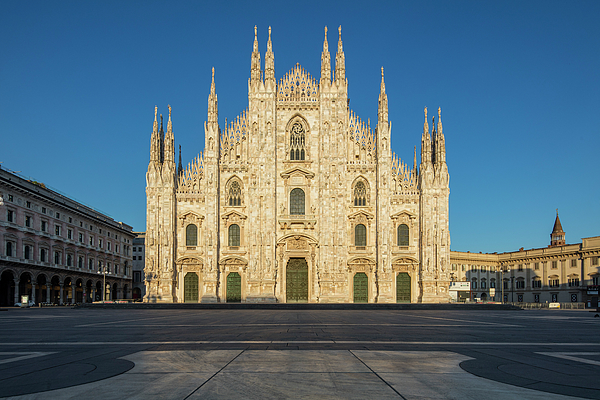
(30, 304)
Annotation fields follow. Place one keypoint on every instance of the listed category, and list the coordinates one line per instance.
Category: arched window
(235, 194)
(234, 235)
(297, 140)
(403, 235)
(360, 195)
(9, 251)
(360, 235)
(297, 202)
(191, 235)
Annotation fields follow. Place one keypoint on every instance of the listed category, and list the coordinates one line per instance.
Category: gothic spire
(325, 62)
(440, 142)
(179, 166)
(169, 150)
(213, 112)
(425, 142)
(340, 61)
(433, 141)
(383, 102)
(161, 135)
(155, 140)
(270, 64)
(415, 160)
(255, 71)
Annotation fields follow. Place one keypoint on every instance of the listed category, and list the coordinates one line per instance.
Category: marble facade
(297, 199)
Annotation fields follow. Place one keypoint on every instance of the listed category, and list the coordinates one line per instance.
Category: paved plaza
(64, 353)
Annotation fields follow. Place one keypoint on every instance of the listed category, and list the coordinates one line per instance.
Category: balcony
(297, 221)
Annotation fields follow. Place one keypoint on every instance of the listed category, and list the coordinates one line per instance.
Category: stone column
(33, 291)
(73, 293)
(48, 292)
(61, 293)
(83, 287)
(17, 299)
(93, 298)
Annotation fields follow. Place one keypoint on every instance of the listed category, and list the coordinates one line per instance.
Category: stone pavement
(270, 354)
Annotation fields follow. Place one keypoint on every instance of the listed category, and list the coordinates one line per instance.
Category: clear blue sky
(518, 83)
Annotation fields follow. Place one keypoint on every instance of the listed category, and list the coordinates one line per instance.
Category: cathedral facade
(297, 200)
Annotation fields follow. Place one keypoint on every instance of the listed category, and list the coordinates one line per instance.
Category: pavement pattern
(62, 353)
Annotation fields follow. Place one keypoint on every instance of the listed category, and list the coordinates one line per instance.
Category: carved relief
(297, 243)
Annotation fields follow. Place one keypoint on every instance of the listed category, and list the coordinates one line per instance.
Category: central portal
(297, 281)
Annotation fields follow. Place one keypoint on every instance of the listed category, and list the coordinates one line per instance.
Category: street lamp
(512, 285)
(102, 270)
(503, 271)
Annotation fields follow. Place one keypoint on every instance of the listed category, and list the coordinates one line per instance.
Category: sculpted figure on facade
(306, 237)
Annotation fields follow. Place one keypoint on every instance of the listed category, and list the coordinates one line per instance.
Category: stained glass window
(360, 235)
(297, 142)
(403, 235)
(191, 235)
(235, 194)
(234, 235)
(360, 195)
(297, 202)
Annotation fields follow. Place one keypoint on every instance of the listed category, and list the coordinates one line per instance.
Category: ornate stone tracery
(297, 85)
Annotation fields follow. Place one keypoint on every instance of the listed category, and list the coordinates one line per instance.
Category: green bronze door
(403, 288)
(297, 281)
(190, 288)
(234, 288)
(361, 288)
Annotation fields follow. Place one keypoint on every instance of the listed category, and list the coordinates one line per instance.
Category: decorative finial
(325, 30)
(269, 33)
(557, 212)
(439, 113)
(340, 31)
(381, 72)
(425, 113)
(155, 111)
(213, 73)
(169, 111)
(255, 32)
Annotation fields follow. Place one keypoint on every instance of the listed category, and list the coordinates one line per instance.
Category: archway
(55, 290)
(25, 286)
(99, 295)
(190, 288)
(137, 293)
(7, 289)
(361, 288)
(78, 291)
(234, 287)
(68, 292)
(403, 288)
(114, 295)
(297, 281)
(89, 296)
(42, 290)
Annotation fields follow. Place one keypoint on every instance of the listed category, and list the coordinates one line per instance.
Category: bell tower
(557, 237)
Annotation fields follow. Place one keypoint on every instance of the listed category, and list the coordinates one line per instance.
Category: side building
(139, 251)
(56, 250)
(563, 273)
